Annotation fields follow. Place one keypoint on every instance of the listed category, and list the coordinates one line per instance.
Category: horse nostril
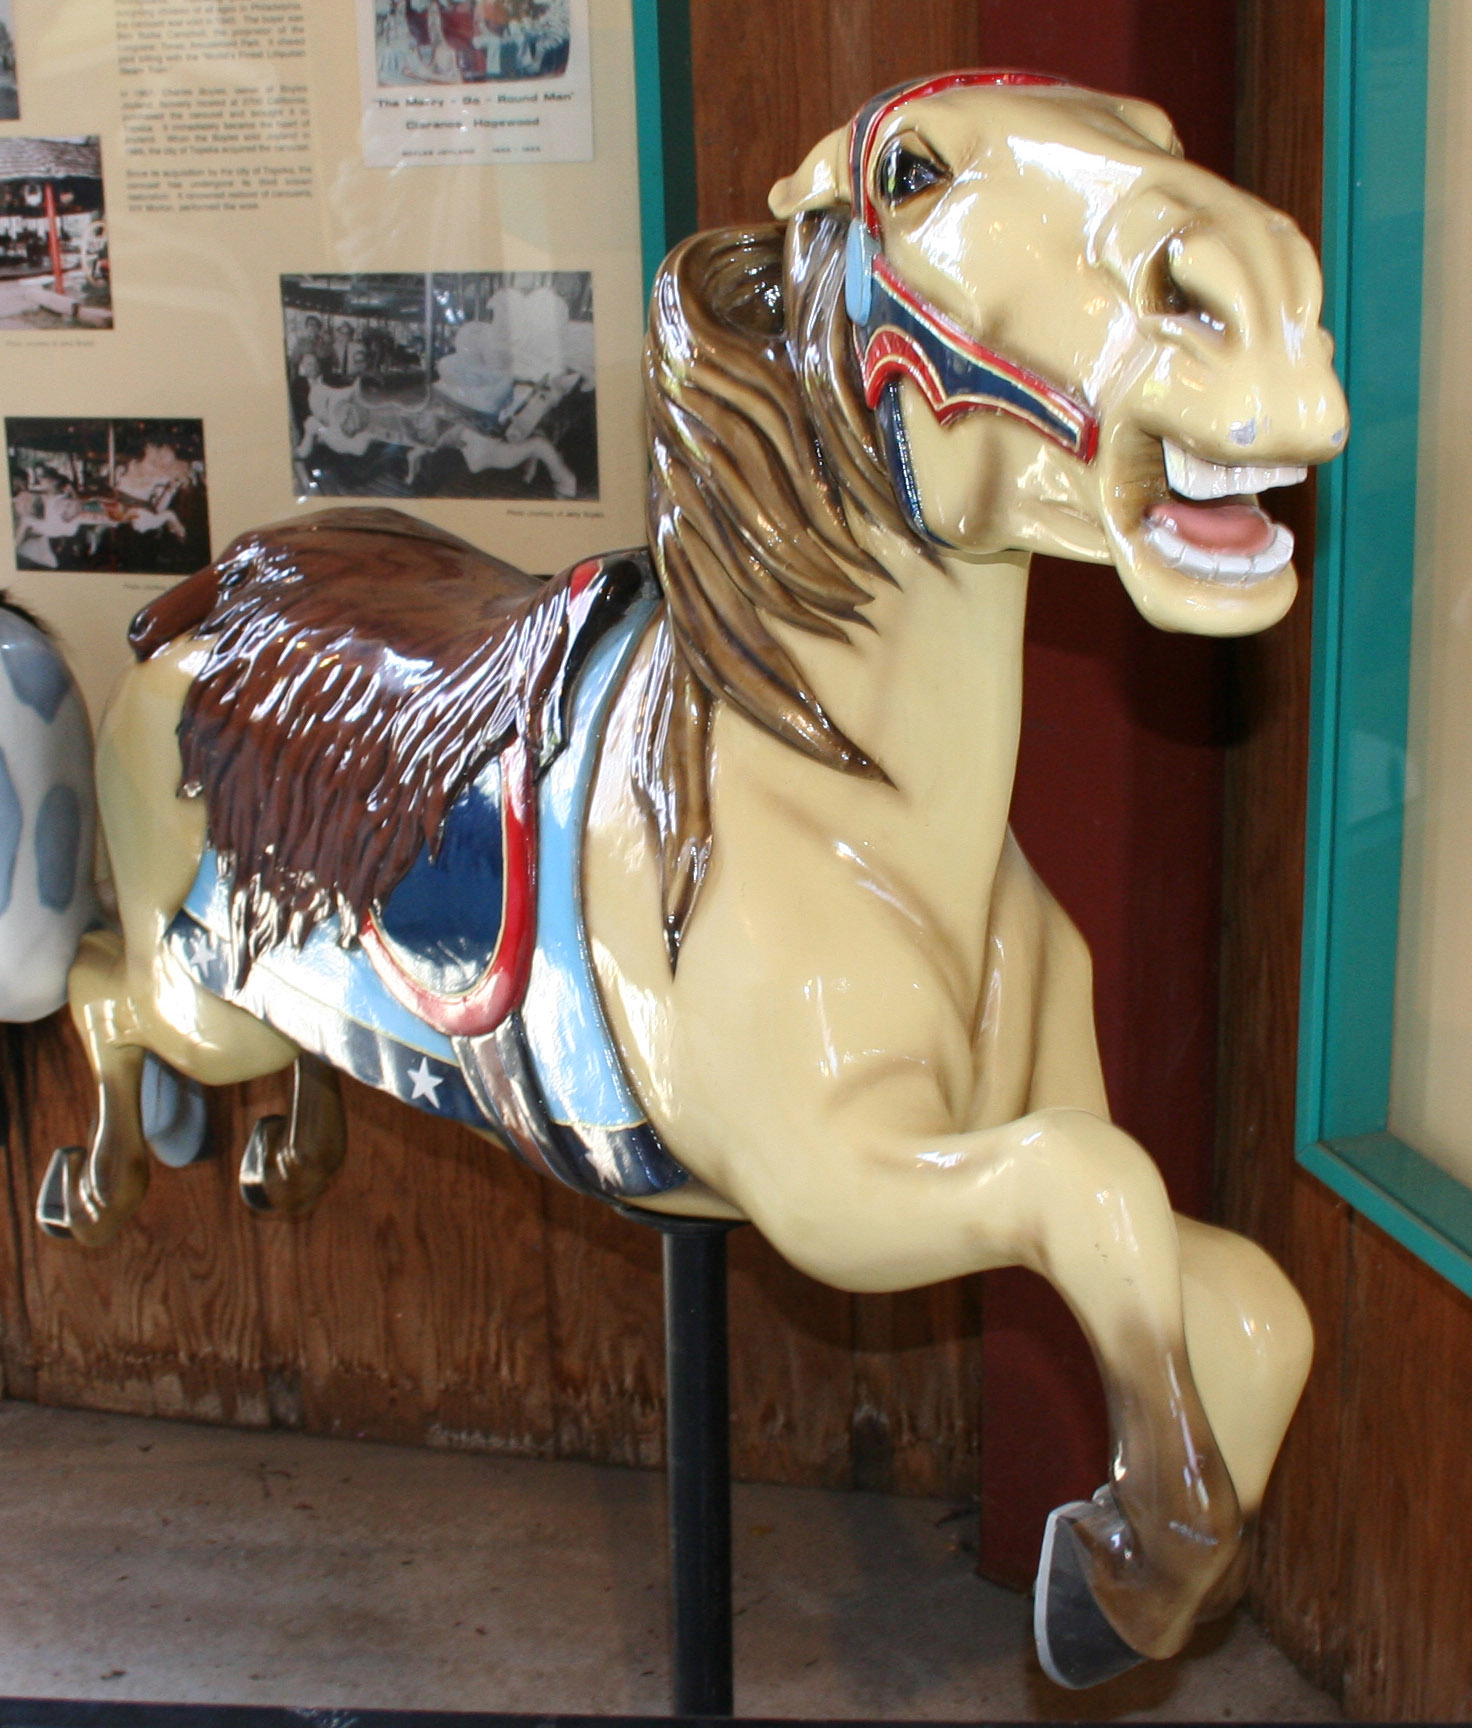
(1175, 299)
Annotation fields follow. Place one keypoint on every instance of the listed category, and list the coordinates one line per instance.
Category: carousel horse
(687, 874)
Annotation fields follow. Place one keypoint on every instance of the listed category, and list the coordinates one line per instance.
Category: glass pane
(1431, 1081)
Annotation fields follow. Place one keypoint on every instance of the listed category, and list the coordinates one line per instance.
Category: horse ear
(1149, 121)
(821, 182)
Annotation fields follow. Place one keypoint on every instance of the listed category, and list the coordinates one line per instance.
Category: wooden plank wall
(1361, 1574)
(441, 1294)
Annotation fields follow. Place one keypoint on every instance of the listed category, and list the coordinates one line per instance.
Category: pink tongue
(1220, 527)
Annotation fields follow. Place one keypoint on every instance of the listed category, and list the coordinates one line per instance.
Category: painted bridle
(899, 334)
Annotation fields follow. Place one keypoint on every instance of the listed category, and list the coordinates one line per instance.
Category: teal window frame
(1374, 221)
(666, 106)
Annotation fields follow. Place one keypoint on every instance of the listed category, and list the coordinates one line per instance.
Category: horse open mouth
(1211, 526)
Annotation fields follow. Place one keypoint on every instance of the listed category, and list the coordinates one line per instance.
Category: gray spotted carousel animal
(48, 839)
(48, 819)
(687, 874)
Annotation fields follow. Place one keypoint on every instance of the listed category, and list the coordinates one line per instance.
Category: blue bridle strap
(900, 335)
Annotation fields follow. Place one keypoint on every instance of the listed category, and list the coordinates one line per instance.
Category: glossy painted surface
(48, 821)
(840, 995)
(1129, 282)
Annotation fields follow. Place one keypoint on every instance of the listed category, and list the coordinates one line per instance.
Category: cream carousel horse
(688, 874)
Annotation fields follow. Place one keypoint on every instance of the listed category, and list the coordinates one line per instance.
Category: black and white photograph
(442, 386)
(470, 41)
(126, 496)
(53, 235)
(9, 80)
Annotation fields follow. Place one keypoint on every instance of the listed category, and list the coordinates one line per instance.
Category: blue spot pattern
(58, 834)
(444, 917)
(9, 832)
(36, 673)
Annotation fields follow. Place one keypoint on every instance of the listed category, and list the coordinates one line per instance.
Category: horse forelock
(765, 469)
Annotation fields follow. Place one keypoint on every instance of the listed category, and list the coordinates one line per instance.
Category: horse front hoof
(60, 1210)
(1076, 1645)
(175, 1120)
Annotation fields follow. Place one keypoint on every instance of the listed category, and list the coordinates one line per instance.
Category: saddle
(470, 955)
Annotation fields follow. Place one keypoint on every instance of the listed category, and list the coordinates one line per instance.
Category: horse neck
(933, 694)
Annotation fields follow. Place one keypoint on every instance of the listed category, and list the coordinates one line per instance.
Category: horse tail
(181, 608)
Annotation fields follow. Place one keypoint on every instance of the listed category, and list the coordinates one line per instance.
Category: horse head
(1077, 342)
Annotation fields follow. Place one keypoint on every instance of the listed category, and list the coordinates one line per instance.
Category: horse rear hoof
(53, 1213)
(259, 1163)
(1077, 1646)
(62, 1210)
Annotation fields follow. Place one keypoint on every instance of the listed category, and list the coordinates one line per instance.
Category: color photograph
(470, 41)
(9, 86)
(442, 386)
(108, 495)
(53, 235)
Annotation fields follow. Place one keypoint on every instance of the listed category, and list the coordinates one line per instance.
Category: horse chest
(934, 694)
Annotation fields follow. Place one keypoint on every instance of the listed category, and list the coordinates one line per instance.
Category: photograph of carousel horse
(470, 41)
(108, 495)
(442, 386)
(9, 89)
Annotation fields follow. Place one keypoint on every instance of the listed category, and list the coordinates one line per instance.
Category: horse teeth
(1194, 477)
(1209, 566)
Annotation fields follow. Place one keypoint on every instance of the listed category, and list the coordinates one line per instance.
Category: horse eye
(903, 174)
(1166, 297)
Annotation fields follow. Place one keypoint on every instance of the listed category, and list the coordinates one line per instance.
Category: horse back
(360, 554)
(361, 668)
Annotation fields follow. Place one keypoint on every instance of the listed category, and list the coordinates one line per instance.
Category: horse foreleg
(1068, 1195)
(1247, 1333)
(289, 1161)
(1166, 1536)
(89, 1194)
(1251, 1343)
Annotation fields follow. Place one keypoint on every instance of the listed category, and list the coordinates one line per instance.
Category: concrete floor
(151, 1560)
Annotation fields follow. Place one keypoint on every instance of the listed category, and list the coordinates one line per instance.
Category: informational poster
(216, 310)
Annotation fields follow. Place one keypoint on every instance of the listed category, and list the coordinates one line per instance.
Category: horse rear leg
(90, 1193)
(289, 1161)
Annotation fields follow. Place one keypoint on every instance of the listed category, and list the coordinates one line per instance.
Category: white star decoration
(426, 1085)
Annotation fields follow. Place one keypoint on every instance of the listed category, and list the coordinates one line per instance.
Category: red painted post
(53, 236)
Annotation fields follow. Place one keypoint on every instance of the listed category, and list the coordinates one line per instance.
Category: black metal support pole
(699, 1462)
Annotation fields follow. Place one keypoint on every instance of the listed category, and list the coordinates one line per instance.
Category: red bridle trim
(859, 152)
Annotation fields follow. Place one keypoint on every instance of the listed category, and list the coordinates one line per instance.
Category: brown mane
(363, 667)
(763, 460)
